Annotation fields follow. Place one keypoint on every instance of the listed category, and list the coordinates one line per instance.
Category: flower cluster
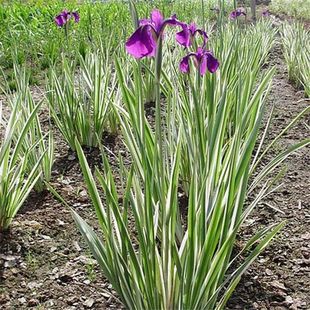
(143, 42)
(63, 18)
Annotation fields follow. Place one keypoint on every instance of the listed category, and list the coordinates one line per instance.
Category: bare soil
(44, 263)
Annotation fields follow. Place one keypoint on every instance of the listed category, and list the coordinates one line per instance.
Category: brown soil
(45, 264)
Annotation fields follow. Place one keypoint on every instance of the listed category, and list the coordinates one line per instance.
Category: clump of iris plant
(236, 13)
(63, 18)
(187, 35)
(203, 60)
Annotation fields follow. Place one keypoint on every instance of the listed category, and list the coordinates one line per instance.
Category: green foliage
(296, 44)
(170, 219)
(16, 179)
(158, 252)
(80, 99)
(22, 99)
(295, 8)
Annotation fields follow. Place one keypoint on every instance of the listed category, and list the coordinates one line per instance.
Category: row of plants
(209, 91)
(206, 128)
(26, 152)
(293, 8)
(296, 43)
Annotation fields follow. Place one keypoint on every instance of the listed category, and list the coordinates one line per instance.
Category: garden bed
(45, 263)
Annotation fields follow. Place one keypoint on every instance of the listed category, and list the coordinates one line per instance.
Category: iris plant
(295, 41)
(63, 18)
(16, 181)
(80, 103)
(146, 41)
(23, 101)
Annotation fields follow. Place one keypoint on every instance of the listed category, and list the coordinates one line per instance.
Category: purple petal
(192, 28)
(233, 15)
(157, 19)
(199, 54)
(65, 14)
(60, 20)
(184, 64)
(141, 43)
(212, 62)
(265, 13)
(172, 21)
(238, 12)
(145, 21)
(203, 34)
(76, 16)
(183, 37)
(203, 65)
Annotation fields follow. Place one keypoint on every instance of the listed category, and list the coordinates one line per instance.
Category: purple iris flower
(65, 14)
(76, 16)
(236, 13)
(62, 18)
(143, 42)
(186, 36)
(266, 13)
(203, 59)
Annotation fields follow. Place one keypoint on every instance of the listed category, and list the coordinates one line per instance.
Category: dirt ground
(45, 264)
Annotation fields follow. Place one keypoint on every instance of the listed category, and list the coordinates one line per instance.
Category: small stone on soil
(71, 157)
(88, 302)
(22, 300)
(278, 285)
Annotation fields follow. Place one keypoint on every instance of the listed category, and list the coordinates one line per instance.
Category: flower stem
(158, 123)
